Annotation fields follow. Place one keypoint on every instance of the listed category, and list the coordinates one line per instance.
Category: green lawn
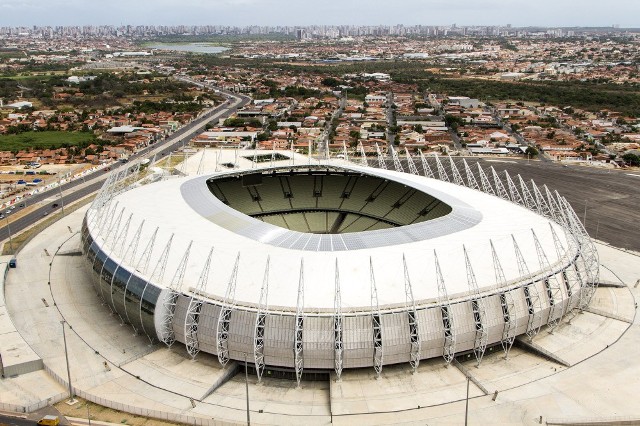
(43, 140)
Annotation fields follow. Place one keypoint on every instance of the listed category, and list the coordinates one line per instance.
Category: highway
(79, 188)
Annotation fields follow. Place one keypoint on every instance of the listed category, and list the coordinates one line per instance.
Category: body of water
(189, 47)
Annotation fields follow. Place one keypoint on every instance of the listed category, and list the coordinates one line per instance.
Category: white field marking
(633, 174)
(500, 161)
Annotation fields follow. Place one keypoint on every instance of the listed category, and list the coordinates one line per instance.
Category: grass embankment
(43, 140)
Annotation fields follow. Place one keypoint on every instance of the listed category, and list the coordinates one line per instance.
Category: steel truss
(133, 247)
(381, 161)
(396, 160)
(426, 170)
(157, 275)
(457, 177)
(166, 332)
(569, 274)
(449, 348)
(414, 327)
(192, 317)
(541, 203)
(224, 319)
(471, 179)
(507, 303)
(363, 155)
(201, 162)
(260, 324)
(500, 189)
(378, 350)
(554, 290)
(338, 320)
(528, 199)
(531, 294)
(484, 181)
(479, 311)
(412, 166)
(442, 173)
(298, 345)
(513, 190)
(588, 254)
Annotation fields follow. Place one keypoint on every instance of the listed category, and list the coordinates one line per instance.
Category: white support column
(513, 190)
(471, 179)
(166, 332)
(531, 294)
(396, 160)
(224, 319)
(309, 152)
(260, 324)
(412, 166)
(457, 177)
(442, 173)
(479, 311)
(426, 170)
(378, 350)
(298, 346)
(414, 327)
(345, 153)
(192, 316)
(381, 161)
(363, 155)
(507, 303)
(500, 189)
(554, 290)
(484, 180)
(337, 325)
(449, 348)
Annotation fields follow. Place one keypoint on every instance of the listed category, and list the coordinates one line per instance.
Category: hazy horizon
(543, 13)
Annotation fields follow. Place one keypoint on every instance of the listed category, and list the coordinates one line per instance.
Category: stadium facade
(325, 266)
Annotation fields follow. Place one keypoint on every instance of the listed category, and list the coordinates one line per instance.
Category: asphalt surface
(16, 421)
(611, 197)
(77, 189)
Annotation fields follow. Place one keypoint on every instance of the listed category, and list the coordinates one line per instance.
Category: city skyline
(545, 13)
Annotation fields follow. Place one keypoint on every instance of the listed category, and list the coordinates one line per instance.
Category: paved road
(77, 189)
(16, 421)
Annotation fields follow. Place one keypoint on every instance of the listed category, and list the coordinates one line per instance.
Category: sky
(550, 13)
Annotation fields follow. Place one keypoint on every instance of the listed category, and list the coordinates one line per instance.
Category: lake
(189, 47)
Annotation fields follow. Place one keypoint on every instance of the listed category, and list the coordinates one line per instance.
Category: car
(21, 205)
(45, 213)
(1, 216)
(13, 207)
(7, 212)
(54, 205)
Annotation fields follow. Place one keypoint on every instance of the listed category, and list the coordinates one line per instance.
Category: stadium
(306, 266)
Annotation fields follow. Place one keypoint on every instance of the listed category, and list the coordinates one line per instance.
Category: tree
(631, 159)
(531, 151)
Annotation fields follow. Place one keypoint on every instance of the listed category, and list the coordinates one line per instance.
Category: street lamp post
(10, 237)
(61, 197)
(66, 355)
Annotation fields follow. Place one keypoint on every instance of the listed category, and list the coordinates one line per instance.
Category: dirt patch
(104, 414)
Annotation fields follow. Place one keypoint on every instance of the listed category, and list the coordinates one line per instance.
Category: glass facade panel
(134, 288)
(118, 285)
